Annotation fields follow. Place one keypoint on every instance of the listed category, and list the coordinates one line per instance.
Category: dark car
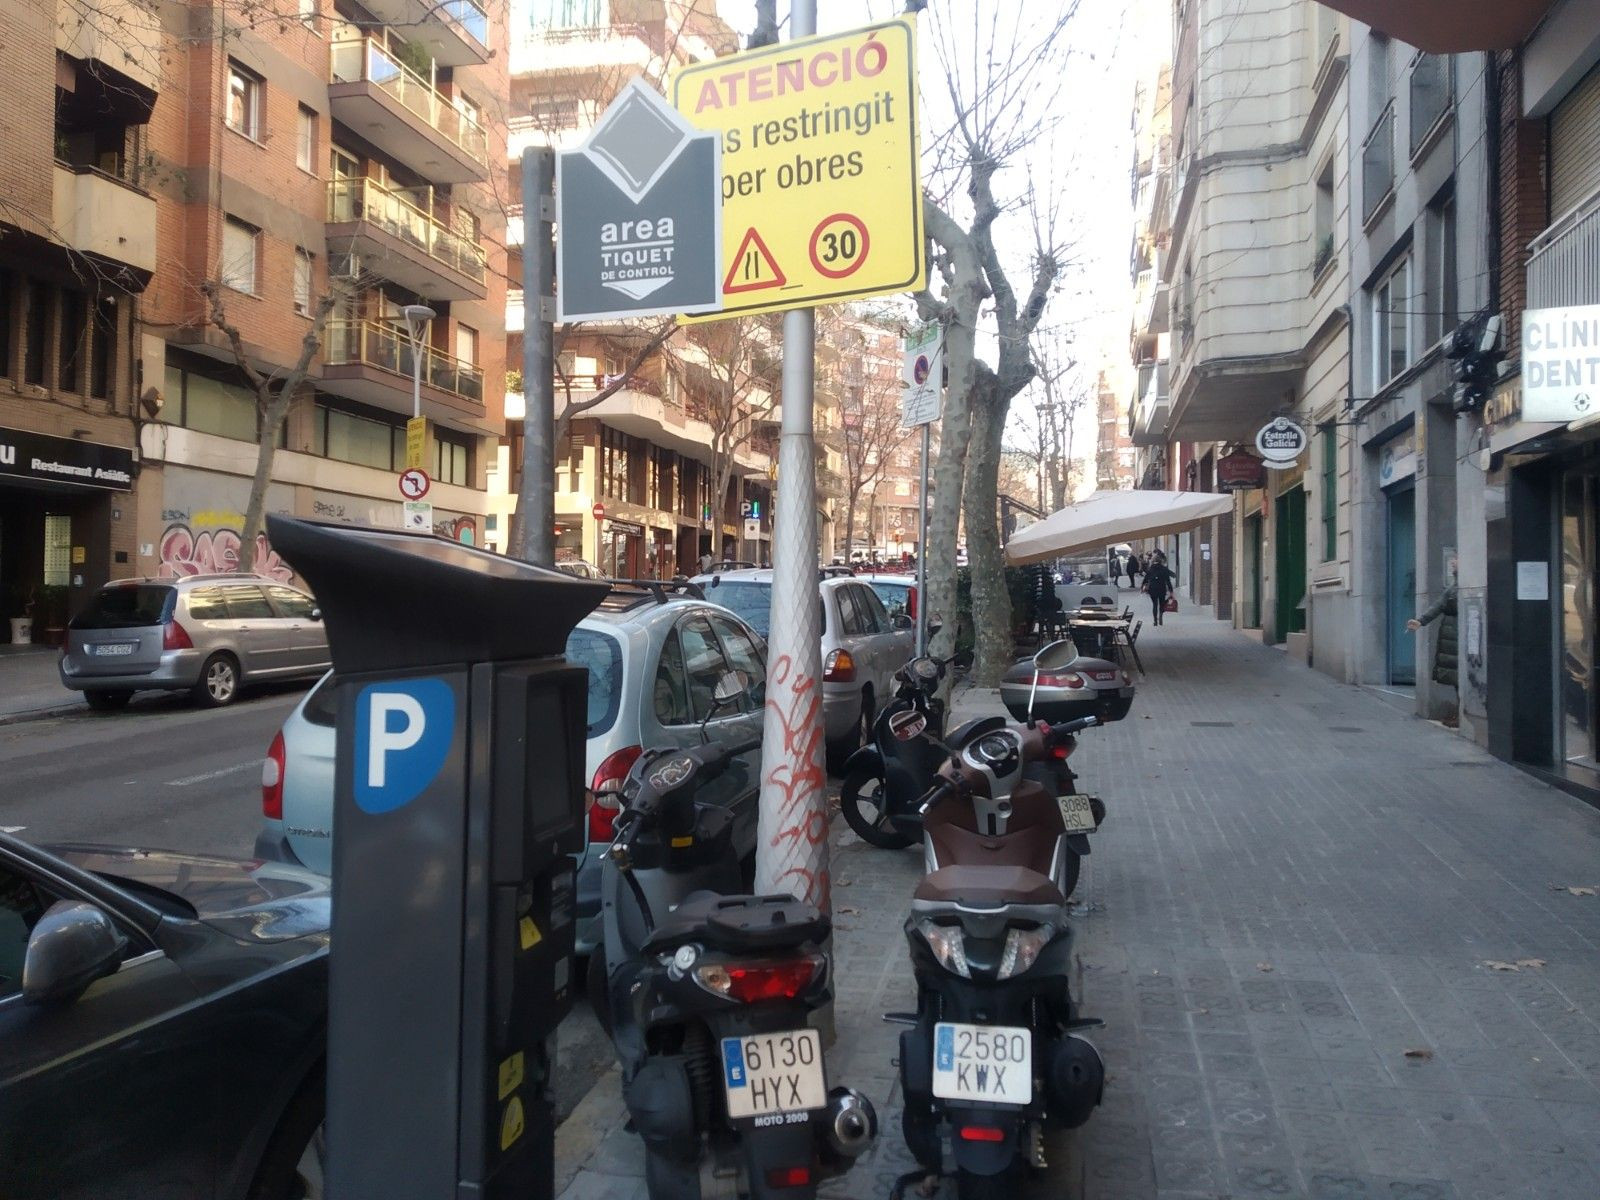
(163, 1022)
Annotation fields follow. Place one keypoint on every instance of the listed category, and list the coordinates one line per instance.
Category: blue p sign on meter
(404, 730)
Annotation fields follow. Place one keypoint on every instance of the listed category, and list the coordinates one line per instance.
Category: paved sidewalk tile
(1288, 925)
(30, 685)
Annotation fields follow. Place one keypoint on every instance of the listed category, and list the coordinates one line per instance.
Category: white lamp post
(417, 318)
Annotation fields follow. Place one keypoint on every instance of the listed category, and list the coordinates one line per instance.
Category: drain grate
(1345, 729)
(1212, 724)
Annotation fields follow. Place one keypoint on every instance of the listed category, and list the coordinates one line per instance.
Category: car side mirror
(73, 945)
(316, 614)
(899, 620)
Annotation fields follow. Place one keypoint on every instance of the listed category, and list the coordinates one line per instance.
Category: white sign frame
(923, 400)
(1563, 400)
(1274, 457)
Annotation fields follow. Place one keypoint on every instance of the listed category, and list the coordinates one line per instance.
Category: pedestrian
(1158, 582)
(1445, 649)
(1135, 568)
(705, 563)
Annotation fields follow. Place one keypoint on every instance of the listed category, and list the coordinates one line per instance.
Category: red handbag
(1171, 604)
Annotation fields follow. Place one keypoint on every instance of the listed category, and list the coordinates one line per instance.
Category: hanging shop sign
(1560, 363)
(36, 457)
(1281, 442)
(1240, 471)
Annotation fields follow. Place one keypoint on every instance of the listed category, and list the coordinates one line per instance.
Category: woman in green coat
(1445, 649)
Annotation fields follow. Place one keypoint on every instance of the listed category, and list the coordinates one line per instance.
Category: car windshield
(752, 601)
(589, 648)
(126, 607)
(893, 595)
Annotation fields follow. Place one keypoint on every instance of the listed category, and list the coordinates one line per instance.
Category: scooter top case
(1089, 687)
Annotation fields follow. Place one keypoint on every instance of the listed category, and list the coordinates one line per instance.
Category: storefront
(62, 502)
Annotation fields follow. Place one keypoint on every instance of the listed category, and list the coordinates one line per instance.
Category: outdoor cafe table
(1103, 628)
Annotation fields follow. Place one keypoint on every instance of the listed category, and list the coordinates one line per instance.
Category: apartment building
(1115, 466)
(873, 448)
(1150, 338)
(77, 250)
(635, 470)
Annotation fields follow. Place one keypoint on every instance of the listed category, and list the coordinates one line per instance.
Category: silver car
(654, 655)
(208, 635)
(863, 645)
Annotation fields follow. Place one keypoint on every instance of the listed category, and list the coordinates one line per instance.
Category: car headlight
(949, 946)
(1022, 950)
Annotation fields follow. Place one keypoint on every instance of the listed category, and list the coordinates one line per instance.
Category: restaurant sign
(1240, 471)
(1281, 442)
(41, 459)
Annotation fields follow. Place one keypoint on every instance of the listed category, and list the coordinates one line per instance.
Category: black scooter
(708, 995)
(884, 780)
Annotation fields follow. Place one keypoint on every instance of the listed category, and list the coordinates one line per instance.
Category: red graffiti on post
(802, 825)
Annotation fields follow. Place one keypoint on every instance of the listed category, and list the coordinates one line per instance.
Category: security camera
(151, 402)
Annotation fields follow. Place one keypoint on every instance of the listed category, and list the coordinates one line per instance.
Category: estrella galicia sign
(404, 729)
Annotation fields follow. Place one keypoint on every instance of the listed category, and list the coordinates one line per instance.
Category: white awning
(1106, 518)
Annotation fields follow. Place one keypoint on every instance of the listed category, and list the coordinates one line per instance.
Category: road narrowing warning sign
(821, 188)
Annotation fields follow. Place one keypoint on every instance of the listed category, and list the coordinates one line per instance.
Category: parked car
(862, 647)
(208, 635)
(163, 1025)
(581, 568)
(654, 654)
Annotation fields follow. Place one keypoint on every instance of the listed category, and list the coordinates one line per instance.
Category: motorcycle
(994, 1056)
(707, 995)
(885, 780)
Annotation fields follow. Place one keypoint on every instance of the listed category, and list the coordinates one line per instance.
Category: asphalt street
(164, 774)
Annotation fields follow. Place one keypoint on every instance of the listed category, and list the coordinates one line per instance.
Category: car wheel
(102, 701)
(295, 1163)
(219, 681)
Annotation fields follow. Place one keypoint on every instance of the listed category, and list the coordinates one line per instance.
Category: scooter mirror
(907, 725)
(1056, 656)
(935, 623)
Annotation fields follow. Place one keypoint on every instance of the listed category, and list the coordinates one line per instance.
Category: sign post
(923, 377)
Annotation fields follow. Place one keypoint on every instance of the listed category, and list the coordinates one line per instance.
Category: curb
(577, 1138)
(41, 714)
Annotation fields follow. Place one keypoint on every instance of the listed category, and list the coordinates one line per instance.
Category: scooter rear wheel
(864, 805)
(987, 1187)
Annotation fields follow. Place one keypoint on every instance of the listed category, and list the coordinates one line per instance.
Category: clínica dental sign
(1560, 363)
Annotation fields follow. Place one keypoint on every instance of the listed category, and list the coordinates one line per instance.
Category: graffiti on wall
(207, 543)
(458, 529)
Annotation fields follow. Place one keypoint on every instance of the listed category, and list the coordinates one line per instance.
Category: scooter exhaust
(850, 1123)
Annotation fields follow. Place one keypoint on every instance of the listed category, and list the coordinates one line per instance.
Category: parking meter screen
(542, 715)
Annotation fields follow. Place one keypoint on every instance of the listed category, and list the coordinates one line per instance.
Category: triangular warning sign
(753, 267)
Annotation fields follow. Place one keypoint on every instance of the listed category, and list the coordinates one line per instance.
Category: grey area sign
(639, 215)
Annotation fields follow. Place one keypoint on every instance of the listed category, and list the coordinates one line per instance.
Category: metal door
(1401, 585)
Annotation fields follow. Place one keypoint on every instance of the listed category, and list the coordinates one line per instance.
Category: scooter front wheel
(864, 801)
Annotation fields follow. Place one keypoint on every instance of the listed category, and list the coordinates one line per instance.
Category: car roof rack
(834, 572)
(732, 564)
(627, 594)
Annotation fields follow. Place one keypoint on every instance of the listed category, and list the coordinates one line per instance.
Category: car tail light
(788, 1177)
(1067, 679)
(272, 768)
(175, 637)
(911, 603)
(982, 1133)
(750, 983)
(840, 668)
(606, 789)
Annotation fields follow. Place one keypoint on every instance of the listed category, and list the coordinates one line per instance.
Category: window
(1431, 95)
(292, 604)
(559, 112)
(1439, 254)
(671, 688)
(302, 282)
(467, 344)
(246, 604)
(450, 460)
(1377, 71)
(244, 101)
(102, 336)
(849, 619)
(70, 349)
(703, 664)
(210, 406)
(1391, 324)
(1330, 492)
(874, 617)
(743, 656)
(38, 317)
(601, 654)
(7, 284)
(1377, 164)
(22, 903)
(205, 604)
(239, 245)
(343, 164)
(308, 14)
(1323, 247)
(305, 150)
(354, 439)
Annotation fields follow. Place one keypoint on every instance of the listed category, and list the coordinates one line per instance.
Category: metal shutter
(1575, 147)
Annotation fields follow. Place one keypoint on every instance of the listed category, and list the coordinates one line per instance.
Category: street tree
(1000, 73)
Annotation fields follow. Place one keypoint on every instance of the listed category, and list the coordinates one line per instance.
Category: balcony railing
(1564, 260)
(369, 201)
(362, 60)
(1432, 93)
(389, 349)
(468, 16)
(1377, 164)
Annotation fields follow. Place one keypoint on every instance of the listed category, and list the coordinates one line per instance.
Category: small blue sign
(733, 1062)
(944, 1049)
(404, 729)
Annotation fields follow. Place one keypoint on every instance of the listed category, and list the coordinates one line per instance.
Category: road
(164, 774)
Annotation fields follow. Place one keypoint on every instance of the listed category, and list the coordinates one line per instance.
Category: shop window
(225, 409)
(244, 101)
(358, 440)
(8, 284)
(102, 337)
(57, 549)
(69, 349)
(38, 333)
(240, 245)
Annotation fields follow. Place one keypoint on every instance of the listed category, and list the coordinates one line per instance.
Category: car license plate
(1077, 814)
(771, 1074)
(991, 1063)
(114, 649)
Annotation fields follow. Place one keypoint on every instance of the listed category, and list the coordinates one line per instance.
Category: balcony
(405, 116)
(1564, 260)
(105, 218)
(398, 240)
(124, 35)
(582, 49)
(372, 362)
(1147, 423)
(455, 32)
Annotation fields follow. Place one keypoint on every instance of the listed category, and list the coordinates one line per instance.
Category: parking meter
(458, 803)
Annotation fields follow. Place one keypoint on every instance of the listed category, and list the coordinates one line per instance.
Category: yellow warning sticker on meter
(511, 1075)
(528, 933)
(511, 1123)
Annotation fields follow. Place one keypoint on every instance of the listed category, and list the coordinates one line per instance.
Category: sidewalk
(30, 685)
(1291, 917)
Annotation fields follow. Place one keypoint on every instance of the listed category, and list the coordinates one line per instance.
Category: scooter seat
(735, 923)
(987, 887)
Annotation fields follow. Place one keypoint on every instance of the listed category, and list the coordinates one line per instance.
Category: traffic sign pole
(536, 541)
(792, 847)
(922, 548)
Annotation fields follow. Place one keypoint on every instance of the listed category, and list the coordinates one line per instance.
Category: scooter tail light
(839, 668)
(175, 637)
(1061, 679)
(982, 1133)
(788, 1177)
(750, 983)
(949, 945)
(605, 792)
(1064, 750)
(1022, 950)
(272, 780)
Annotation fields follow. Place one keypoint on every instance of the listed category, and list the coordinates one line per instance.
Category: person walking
(1135, 568)
(1446, 663)
(1158, 582)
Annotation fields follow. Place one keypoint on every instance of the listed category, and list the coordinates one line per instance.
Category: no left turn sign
(414, 483)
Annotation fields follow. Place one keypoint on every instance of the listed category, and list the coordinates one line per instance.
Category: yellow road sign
(417, 442)
(821, 187)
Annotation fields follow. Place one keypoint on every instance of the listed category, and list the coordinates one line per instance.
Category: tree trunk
(849, 525)
(945, 520)
(273, 413)
(991, 601)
